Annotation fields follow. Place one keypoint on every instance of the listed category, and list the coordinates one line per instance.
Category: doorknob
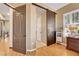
(24, 35)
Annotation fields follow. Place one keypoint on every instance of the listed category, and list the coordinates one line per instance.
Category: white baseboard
(31, 50)
(63, 44)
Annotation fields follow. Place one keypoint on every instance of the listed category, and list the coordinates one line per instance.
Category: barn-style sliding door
(19, 29)
(51, 31)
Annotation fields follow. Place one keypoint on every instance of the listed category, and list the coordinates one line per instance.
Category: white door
(39, 28)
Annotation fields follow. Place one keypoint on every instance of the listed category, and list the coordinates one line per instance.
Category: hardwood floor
(40, 44)
(52, 50)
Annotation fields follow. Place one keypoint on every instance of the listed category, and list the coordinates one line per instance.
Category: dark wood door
(51, 32)
(19, 29)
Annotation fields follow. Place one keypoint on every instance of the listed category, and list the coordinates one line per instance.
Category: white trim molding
(31, 50)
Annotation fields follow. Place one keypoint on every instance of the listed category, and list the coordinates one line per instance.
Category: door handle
(24, 35)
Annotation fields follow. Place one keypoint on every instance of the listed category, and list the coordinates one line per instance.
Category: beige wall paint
(60, 12)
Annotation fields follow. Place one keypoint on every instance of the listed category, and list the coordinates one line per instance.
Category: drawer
(73, 40)
(74, 48)
(72, 44)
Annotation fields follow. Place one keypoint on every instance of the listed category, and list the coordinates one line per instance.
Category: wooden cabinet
(73, 43)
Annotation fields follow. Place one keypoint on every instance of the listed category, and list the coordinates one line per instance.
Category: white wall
(43, 28)
(38, 27)
(33, 27)
(30, 27)
(2, 17)
(11, 29)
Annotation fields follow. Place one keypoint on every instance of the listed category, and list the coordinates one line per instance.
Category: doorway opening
(4, 29)
(4, 22)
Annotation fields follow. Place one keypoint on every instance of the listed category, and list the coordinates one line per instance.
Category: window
(75, 17)
(69, 19)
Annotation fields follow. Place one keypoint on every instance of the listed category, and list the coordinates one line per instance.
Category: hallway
(52, 50)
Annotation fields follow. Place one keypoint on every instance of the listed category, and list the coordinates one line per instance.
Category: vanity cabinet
(73, 43)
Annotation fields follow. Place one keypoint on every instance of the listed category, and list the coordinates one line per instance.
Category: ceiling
(4, 10)
(14, 5)
(56, 6)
